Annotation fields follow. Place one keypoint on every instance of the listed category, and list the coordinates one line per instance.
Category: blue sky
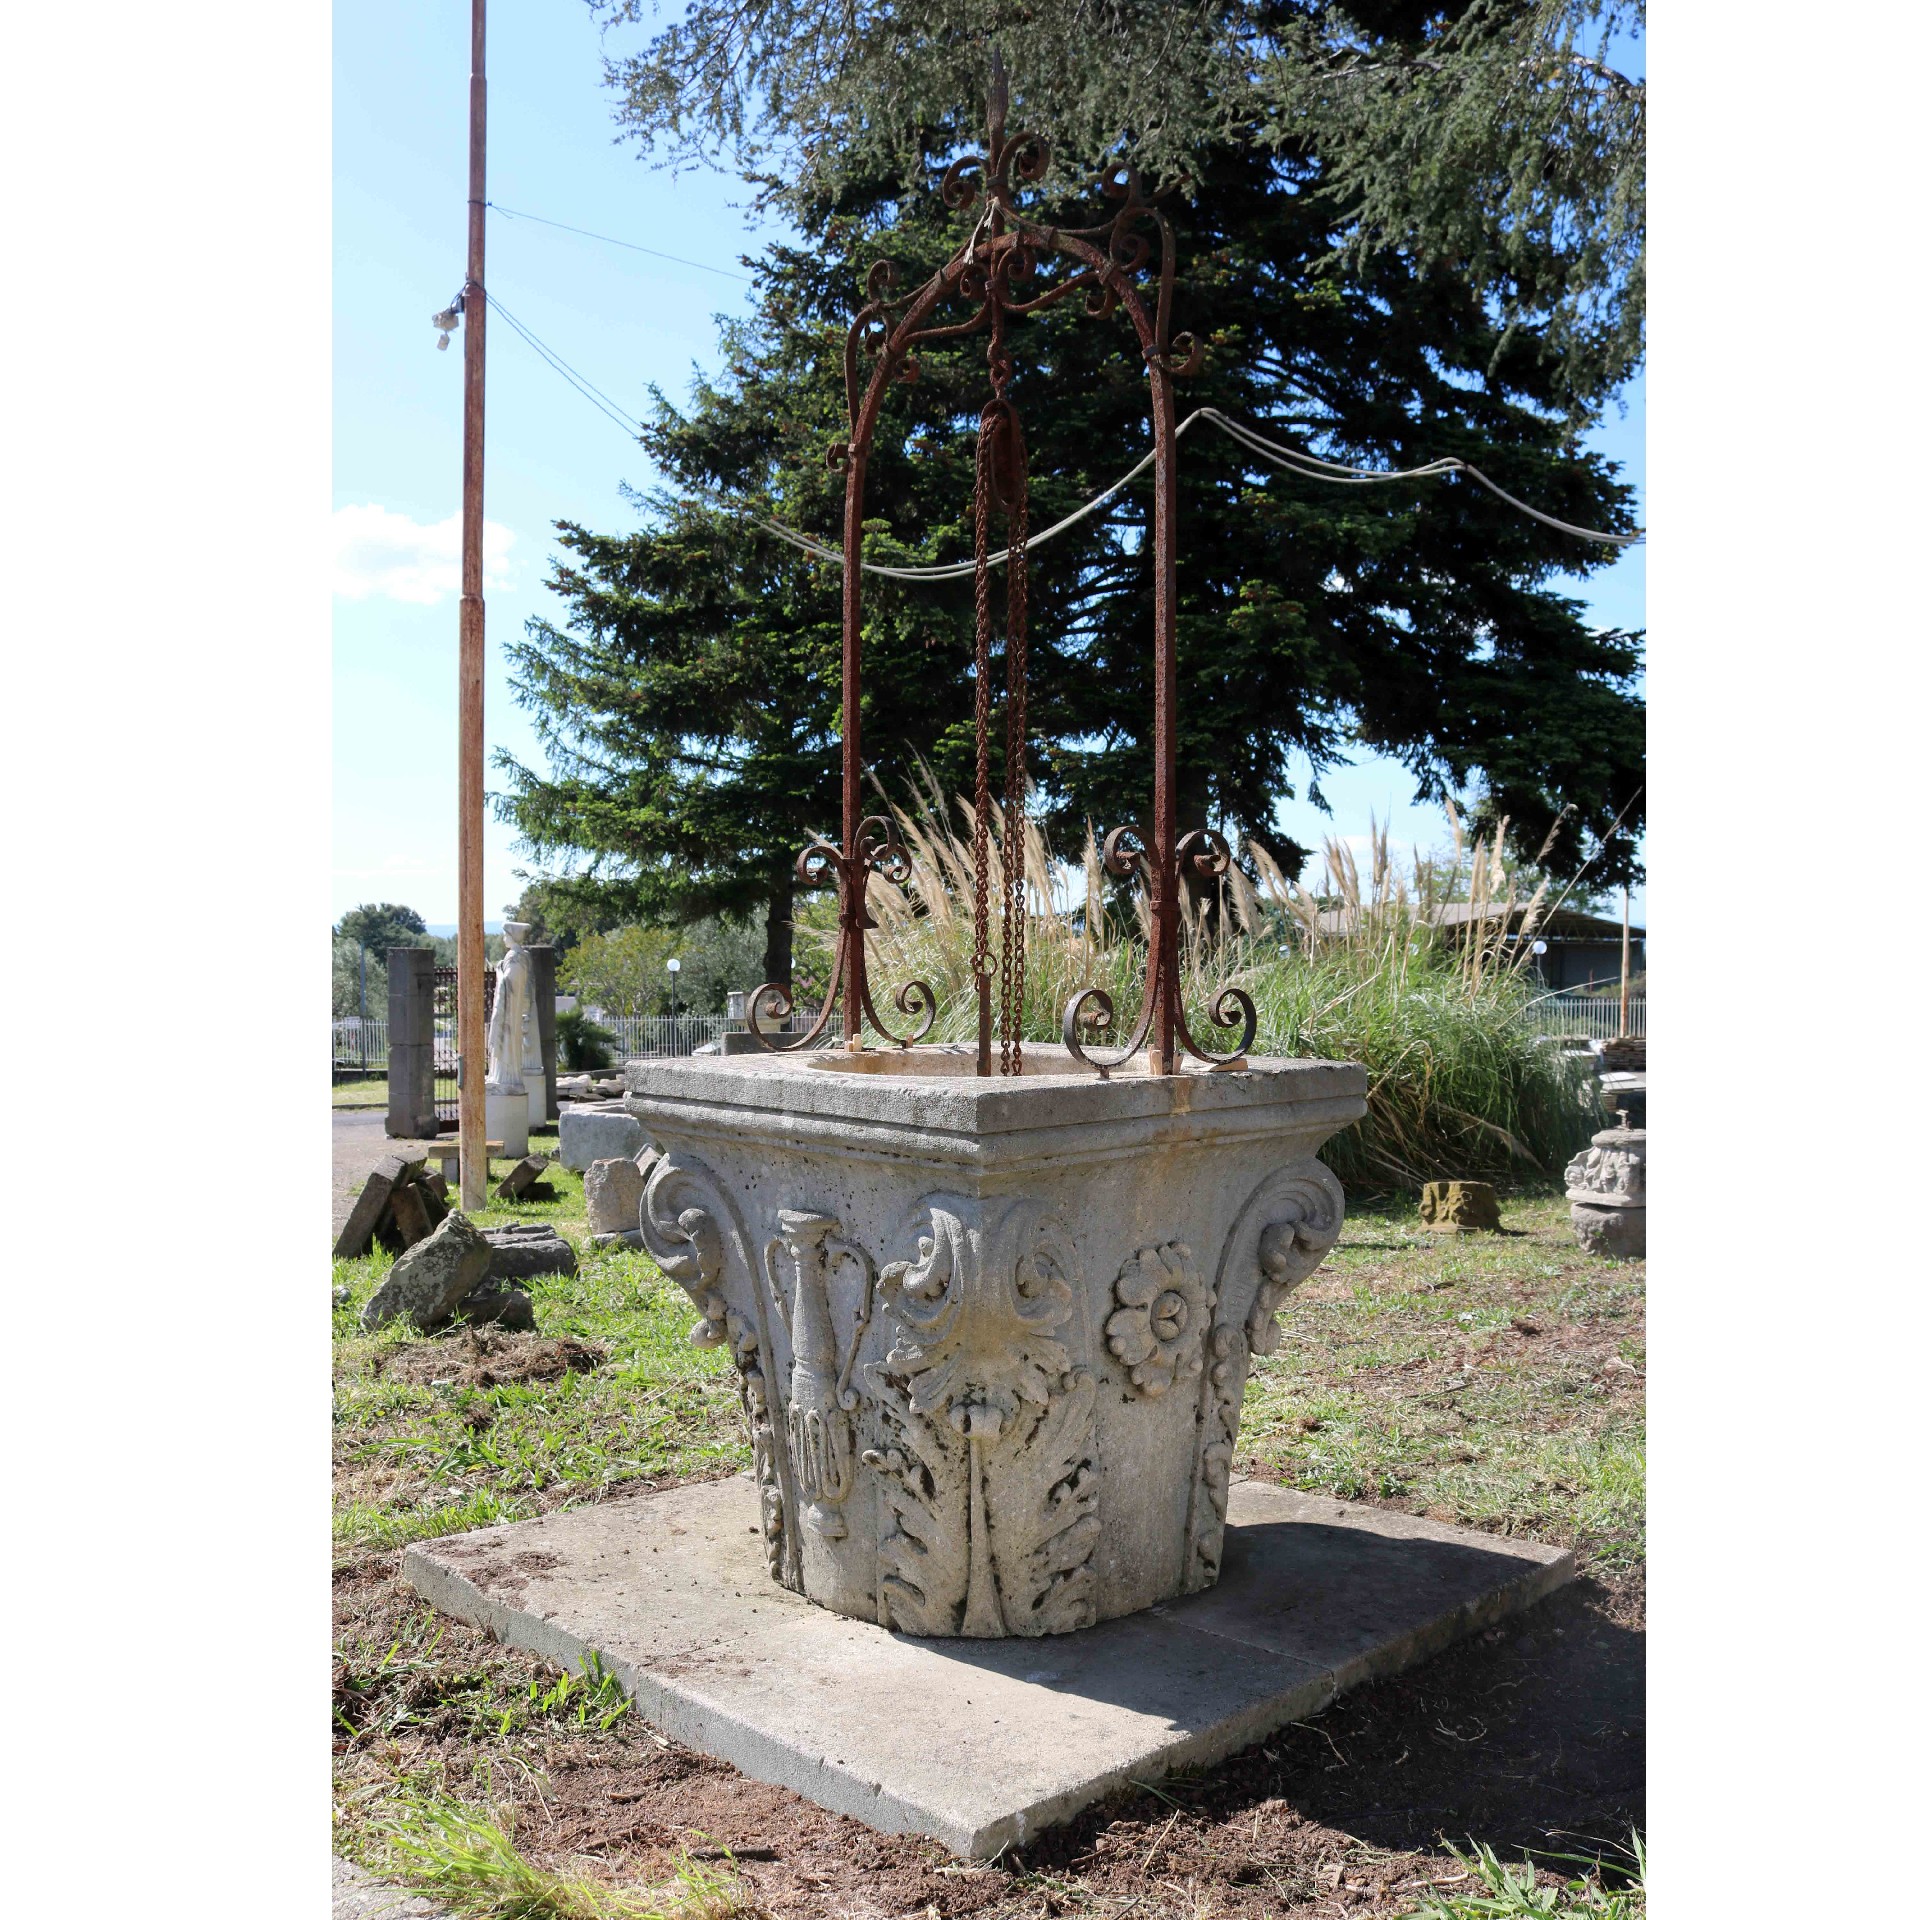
(629, 322)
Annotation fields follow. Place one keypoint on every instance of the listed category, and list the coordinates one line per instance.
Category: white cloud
(379, 552)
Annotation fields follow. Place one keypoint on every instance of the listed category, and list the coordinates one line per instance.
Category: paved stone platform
(976, 1743)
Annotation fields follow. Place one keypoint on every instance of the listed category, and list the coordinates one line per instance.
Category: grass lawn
(1491, 1380)
(360, 1093)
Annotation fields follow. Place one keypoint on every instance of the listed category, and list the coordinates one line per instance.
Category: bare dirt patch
(485, 1357)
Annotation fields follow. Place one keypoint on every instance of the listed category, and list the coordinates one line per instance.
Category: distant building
(1582, 949)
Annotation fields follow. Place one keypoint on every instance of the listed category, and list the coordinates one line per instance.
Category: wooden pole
(471, 944)
(1626, 954)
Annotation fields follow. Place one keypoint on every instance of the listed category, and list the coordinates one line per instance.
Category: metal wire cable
(1308, 465)
(1314, 468)
(632, 246)
(578, 381)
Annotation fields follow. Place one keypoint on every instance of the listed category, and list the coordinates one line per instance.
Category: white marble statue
(512, 1003)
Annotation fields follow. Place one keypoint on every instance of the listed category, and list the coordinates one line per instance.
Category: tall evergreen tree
(1499, 135)
(689, 708)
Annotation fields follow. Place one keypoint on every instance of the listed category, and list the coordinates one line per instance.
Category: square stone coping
(975, 1743)
(929, 1100)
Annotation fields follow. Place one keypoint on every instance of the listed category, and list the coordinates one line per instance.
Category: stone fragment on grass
(1607, 1189)
(407, 1218)
(505, 1307)
(614, 1188)
(431, 1279)
(599, 1133)
(369, 1208)
(527, 1248)
(433, 1199)
(519, 1177)
(1459, 1206)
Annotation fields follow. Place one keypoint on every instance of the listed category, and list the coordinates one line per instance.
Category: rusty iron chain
(1013, 981)
(982, 714)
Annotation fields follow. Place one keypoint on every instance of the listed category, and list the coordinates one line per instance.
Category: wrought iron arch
(1002, 250)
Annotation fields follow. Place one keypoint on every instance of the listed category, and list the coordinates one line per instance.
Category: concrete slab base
(975, 1743)
(357, 1895)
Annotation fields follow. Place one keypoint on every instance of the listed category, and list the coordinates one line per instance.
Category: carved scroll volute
(690, 1225)
(685, 1242)
(1280, 1235)
(1308, 1209)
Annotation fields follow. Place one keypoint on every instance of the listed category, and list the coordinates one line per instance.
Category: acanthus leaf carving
(993, 1490)
(977, 1321)
(1220, 1403)
(922, 1575)
(1042, 1496)
(1616, 1172)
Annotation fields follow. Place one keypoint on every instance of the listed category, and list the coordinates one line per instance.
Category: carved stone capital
(993, 1335)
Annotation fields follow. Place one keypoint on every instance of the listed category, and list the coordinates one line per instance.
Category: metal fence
(654, 1035)
(446, 1041)
(363, 1043)
(359, 1043)
(1594, 1015)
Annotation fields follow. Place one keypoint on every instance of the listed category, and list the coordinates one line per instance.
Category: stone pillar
(410, 1043)
(543, 1011)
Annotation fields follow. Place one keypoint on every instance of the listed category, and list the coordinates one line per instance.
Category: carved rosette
(990, 1481)
(1157, 1329)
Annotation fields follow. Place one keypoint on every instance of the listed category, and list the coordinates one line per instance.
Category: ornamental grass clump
(1416, 972)
(924, 931)
(1421, 977)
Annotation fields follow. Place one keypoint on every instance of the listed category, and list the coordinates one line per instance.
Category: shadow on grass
(1529, 1738)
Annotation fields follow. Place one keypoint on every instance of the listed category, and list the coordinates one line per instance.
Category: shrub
(584, 1042)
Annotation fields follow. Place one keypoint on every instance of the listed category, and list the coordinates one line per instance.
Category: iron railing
(647, 1036)
(446, 1042)
(359, 1043)
(1594, 1015)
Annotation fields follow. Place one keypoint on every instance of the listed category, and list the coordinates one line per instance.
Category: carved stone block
(1459, 1206)
(614, 1188)
(992, 1334)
